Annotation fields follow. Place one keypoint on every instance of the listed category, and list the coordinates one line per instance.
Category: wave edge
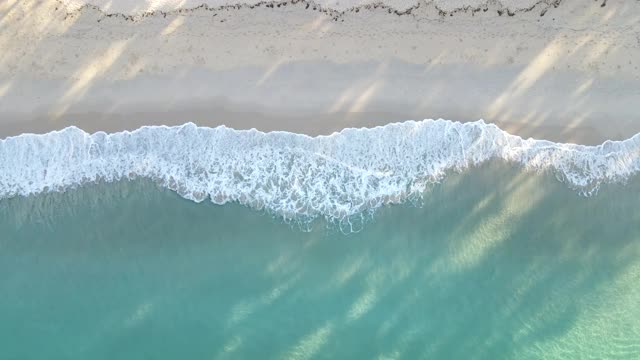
(297, 176)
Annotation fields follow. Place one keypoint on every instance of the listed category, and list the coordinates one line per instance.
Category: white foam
(297, 176)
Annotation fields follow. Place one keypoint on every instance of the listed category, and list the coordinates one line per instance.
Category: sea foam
(348, 173)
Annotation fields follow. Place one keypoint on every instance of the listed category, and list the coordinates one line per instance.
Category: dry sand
(562, 70)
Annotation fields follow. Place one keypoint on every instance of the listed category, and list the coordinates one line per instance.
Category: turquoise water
(495, 263)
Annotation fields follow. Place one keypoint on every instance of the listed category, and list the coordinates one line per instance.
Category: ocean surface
(419, 240)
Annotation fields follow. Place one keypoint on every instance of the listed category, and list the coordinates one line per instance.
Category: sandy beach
(560, 70)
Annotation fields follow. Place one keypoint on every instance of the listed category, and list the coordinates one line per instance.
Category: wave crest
(297, 176)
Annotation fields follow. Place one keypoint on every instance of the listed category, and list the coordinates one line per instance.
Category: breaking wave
(296, 176)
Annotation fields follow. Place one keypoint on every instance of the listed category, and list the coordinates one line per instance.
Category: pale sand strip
(570, 75)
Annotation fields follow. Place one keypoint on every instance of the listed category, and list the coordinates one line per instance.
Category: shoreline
(567, 76)
(356, 95)
(315, 125)
(393, 162)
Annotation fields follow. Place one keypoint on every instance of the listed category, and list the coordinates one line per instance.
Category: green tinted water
(496, 264)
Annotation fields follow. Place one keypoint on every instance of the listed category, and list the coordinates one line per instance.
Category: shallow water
(496, 263)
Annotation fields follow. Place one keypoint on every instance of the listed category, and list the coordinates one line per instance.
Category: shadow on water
(495, 264)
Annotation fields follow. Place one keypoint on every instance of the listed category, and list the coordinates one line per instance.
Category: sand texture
(562, 70)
